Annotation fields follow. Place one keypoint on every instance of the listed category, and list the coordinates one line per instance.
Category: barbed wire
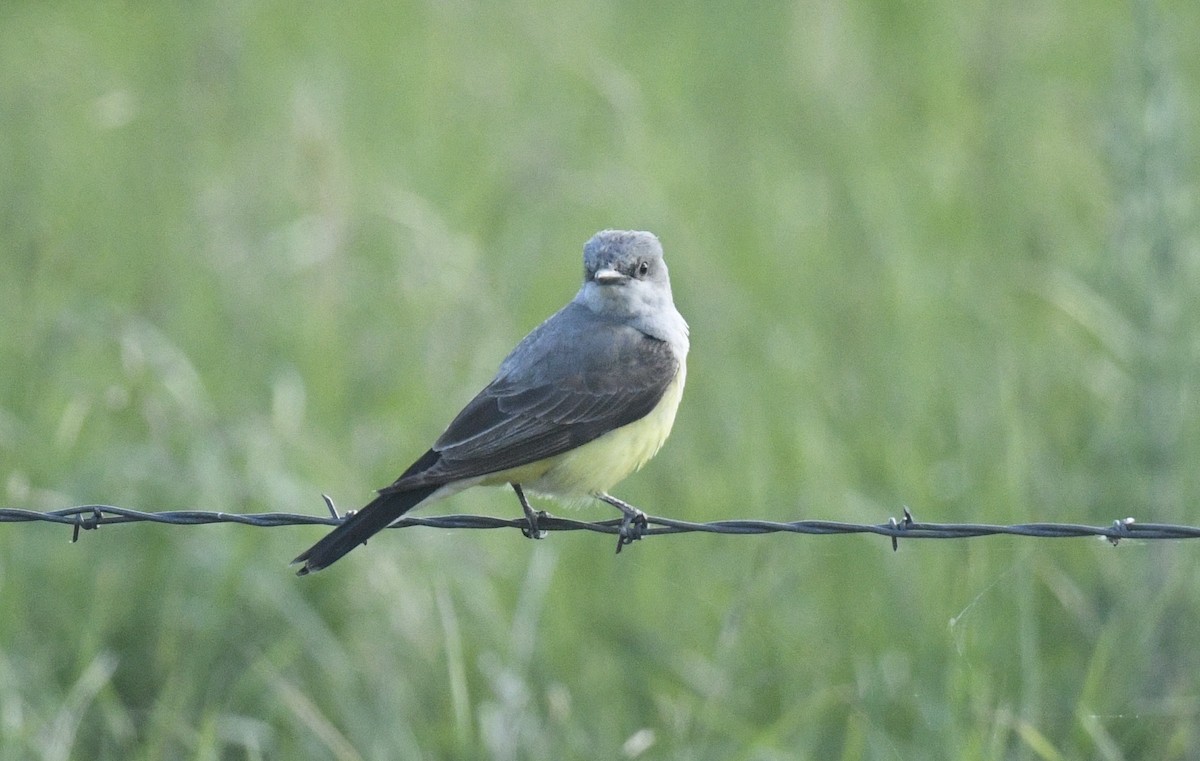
(90, 517)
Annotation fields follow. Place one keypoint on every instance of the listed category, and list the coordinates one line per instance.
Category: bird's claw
(632, 528)
(532, 530)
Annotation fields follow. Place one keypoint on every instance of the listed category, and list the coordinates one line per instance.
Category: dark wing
(573, 379)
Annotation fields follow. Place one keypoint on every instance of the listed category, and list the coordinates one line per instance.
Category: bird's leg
(634, 525)
(531, 515)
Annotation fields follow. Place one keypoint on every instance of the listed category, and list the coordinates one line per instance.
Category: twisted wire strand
(88, 517)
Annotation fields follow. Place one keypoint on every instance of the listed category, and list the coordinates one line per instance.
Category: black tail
(358, 528)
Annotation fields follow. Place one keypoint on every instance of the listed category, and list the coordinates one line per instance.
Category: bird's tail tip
(305, 563)
(356, 528)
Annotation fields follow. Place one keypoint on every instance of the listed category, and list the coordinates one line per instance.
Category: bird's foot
(532, 531)
(634, 525)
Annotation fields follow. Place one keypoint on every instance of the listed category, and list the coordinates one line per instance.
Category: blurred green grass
(935, 254)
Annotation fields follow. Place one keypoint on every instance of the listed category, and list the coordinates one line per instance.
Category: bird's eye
(642, 268)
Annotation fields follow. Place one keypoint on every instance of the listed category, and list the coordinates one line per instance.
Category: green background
(940, 254)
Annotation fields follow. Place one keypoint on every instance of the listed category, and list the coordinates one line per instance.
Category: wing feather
(576, 377)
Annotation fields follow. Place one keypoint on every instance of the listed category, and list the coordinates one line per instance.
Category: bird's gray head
(624, 276)
(616, 257)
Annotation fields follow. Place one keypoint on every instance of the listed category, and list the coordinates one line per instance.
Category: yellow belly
(600, 464)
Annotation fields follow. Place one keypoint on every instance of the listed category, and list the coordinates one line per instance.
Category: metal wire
(88, 517)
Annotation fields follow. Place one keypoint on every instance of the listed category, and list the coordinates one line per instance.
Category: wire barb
(332, 507)
(899, 527)
(87, 524)
(1119, 529)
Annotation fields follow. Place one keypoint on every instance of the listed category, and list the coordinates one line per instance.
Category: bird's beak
(608, 277)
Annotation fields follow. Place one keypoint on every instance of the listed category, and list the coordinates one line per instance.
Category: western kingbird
(583, 401)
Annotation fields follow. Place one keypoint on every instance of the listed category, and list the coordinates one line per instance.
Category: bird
(584, 400)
